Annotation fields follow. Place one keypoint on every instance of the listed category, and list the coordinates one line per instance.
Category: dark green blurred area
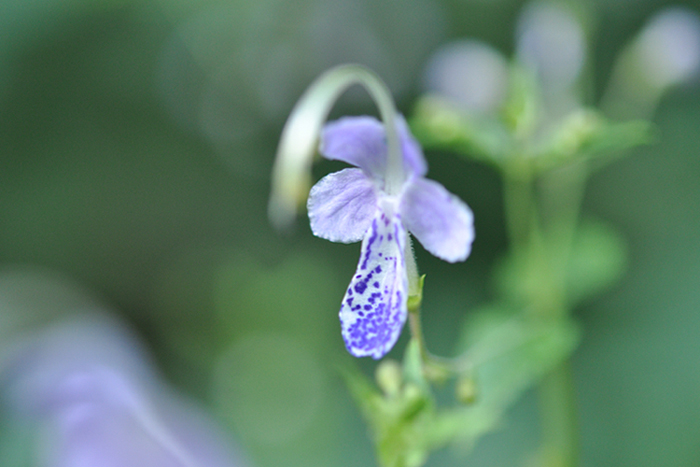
(136, 141)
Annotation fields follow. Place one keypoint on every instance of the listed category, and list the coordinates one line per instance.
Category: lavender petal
(413, 159)
(360, 141)
(341, 206)
(373, 310)
(440, 221)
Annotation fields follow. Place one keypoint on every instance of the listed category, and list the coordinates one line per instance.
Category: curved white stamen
(291, 172)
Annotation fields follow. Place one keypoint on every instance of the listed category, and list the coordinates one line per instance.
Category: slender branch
(559, 418)
(557, 398)
(518, 201)
(291, 173)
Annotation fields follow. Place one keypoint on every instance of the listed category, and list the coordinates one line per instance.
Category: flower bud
(470, 74)
(668, 48)
(551, 42)
(389, 377)
(466, 390)
(665, 53)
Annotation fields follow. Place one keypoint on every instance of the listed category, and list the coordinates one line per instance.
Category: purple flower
(88, 383)
(354, 204)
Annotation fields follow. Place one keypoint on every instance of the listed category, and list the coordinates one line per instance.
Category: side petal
(374, 310)
(440, 221)
(360, 141)
(341, 206)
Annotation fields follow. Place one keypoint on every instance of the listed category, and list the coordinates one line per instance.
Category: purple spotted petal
(443, 223)
(374, 307)
(360, 141)
(341, 206)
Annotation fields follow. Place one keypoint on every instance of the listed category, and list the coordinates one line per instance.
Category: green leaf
(413, 365)
(598, 259)
(438, 124)
(363, 391)
(595, 260)
(614, 136)
(586, 133)
(523, 277)
(399, 423)
(404, 424)
(522, 110)
(510, 353)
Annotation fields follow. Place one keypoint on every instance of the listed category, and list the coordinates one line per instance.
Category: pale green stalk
(291, 174)
(560, 446)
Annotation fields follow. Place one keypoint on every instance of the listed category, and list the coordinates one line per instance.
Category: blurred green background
(136, 142)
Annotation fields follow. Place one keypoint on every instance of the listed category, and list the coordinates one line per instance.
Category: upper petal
(413, 158)
(360, 141)
(443, 223)
(341, 206)
(373, 310)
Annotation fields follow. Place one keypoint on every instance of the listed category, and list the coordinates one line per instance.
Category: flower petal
(374, 307)
(341, 206)
(413, 158)
(443, 223)
(360, 141)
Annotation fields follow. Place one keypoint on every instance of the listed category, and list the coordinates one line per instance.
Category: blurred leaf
(598, 260)
(440, 125)
(521, 112)
(583, 133)
(568, 136)
(522, 277)
(389, 376)
(365, 393)
(614, 136)
(587, 133)
(413, 365)
(510, 353)
(399, 424)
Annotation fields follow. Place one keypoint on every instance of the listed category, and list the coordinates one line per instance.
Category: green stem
(557, 399)
(434, 368)
(518, 201)
(564, 189)
(559, 418)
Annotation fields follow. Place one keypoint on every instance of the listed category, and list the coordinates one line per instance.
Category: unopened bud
(668, 48)
(471, 75)
(466, 390)
(552, 43)
(389, 377)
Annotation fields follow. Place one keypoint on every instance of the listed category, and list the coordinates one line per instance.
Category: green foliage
(509, 352)
(524, 131)
(401, 423)
(554, 261)
(598, 260)
(437, 123)
(503, 354)
(594, 261)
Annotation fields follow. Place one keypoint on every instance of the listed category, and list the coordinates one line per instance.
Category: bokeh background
(136, 143)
